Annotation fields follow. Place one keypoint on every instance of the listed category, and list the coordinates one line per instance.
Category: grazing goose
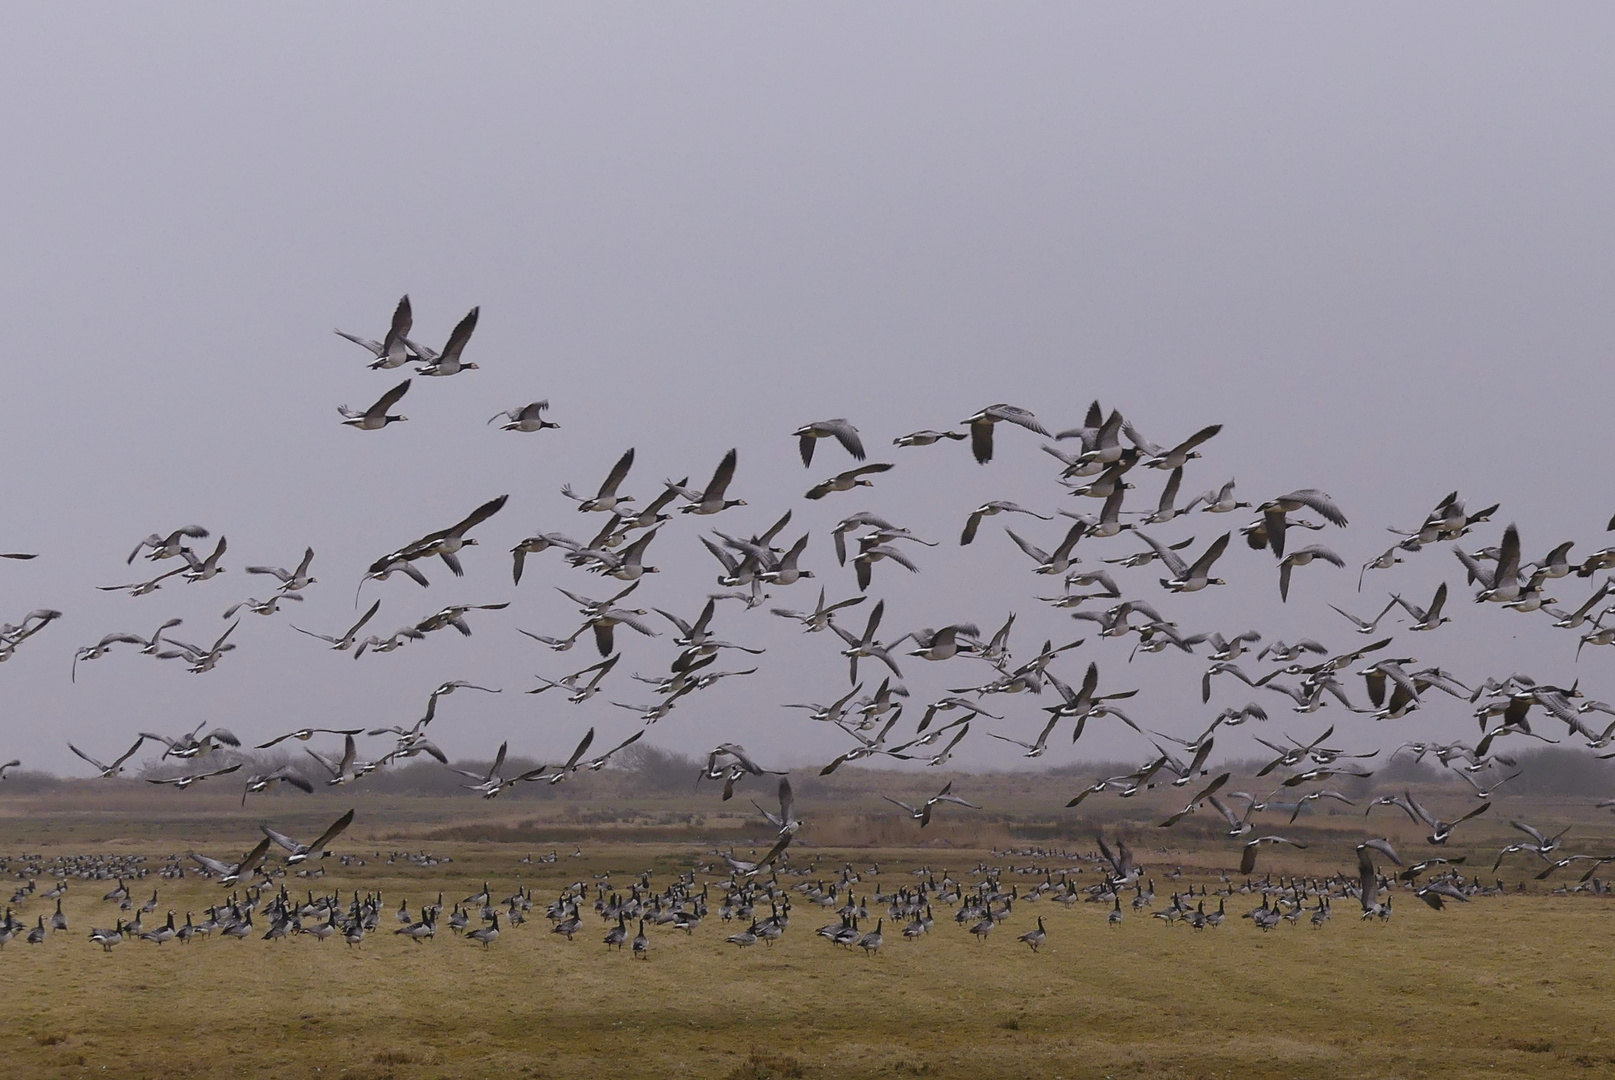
(839, 429)
(299, 852)
(529, 417)
(606, 499)
(291, 581)
(847, 481)
(393, 350)
(711, 500)
(448, 362)
(376, 417)
(109, 771)
(486, 935)
(982, 424)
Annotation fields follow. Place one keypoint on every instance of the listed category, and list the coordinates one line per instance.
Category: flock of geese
(1083, 559)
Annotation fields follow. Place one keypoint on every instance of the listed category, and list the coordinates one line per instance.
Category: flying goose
(1301, 557)
(448, 362)
(184, 781)
(1247, 861)
(711, 500)
(446, 543)
(203, 569)
(1058, 561)
(1221, 501)
(982, 424)
(1187, 578)
(926, 437)
(1176, 457)
(143, 588)
(376, 417)
(307, 733)
(101, 648)
(606, 498)
(1369, 626)
(529, 417)
(393, 350)
(111, 770)
(839, 429)
(261, 607)
(847, 481)
(1274, 514)
(786, 820)
(1426, 618)
(166, 547)
(299, 852)
(190, 746)
(345, 642)
(291, 581)
(344, 771)
(264, 781)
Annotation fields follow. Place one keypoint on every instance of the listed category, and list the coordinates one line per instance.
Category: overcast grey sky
(1374, 241)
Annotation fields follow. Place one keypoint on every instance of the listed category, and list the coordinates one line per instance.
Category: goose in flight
(1186, 577)
(264, 781)
(711, 500)
(143, 588)
(377, 416)
(307, 733)
(1574, 619)
(839, 429)
(190, 746)
(1167, 510)
(1275, 514)
(529, 417)
(261, 607)
(1501, 584)
(1175, 457)
(926, 437)
(1206, 793)
(847, 481)
(166, 547)
(607, 499)
(448, 361)
(786, 820)
(345, 642)
(865, 644)
(982, 424)
(1370, 626)
(1426, 618)
(446, 543)
(344, 771)
(108, 771)
(1301, 557)
(291, 581)
(102, 647)
(392, 350)
(298, 852)
(204, 569)
(1060, 559)
(988, 509)
(454, 615)
(1247, 861)
(580, 693)
(1440, 831)
(186, 780)
(1222, 501)
(864, 562)
(751, 869)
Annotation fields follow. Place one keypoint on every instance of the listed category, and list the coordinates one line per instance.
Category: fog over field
(1375, 244)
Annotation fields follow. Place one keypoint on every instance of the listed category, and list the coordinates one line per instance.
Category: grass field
(1513, 985)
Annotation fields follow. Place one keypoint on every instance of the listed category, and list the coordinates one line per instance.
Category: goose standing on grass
(376, 417)
(448, 361)
(529, 417)
(641, 943)
(486, 935)
(1035, 938)
(839, 429)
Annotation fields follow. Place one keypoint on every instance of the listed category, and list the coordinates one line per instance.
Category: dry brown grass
(1506, 986)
